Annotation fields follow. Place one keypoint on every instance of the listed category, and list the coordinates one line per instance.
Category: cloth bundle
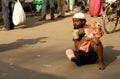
(94, 32)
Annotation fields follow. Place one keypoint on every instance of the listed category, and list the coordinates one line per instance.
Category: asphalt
(36, 50)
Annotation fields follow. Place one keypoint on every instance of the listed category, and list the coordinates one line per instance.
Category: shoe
(52, 19)
(4, 29)
(60, 16)
(11, 27)
(91, 16)
(41, 19)
(99, 16)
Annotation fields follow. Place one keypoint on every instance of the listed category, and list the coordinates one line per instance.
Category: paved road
(38, 52)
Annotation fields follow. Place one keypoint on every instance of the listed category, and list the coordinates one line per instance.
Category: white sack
(19, 16)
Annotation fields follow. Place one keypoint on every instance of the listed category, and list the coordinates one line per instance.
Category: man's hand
(81, 31)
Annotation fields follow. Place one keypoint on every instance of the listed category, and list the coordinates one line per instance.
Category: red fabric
(95, 7)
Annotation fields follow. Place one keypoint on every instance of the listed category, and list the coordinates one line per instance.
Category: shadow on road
(8, 71)
(21, 42)
(110, 55)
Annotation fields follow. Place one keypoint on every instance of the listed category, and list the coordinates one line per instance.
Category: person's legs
(10, 15)
(58, 4)
(31, 7)
(60, 8)
(43, 12)
(61, 5)
(7, 10)
(71, 4)
(98, 48)
(67, 5)
(52, 7)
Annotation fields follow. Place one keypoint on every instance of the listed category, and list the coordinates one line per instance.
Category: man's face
(77, 23)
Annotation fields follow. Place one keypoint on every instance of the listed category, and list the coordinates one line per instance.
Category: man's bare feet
(101, 66)
(73, 59)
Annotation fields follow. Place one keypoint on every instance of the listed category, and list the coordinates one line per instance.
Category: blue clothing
(44, 7)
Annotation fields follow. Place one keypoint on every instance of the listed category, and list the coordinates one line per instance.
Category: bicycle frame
(111, 16)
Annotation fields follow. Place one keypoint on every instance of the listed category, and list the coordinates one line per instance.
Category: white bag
(19, 16)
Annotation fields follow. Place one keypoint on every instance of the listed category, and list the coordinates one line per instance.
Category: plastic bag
(19, 16)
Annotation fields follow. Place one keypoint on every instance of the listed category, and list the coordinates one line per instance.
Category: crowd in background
(93, 7)
(68, 5)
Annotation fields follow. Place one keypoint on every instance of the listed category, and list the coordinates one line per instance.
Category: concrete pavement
(38, 52)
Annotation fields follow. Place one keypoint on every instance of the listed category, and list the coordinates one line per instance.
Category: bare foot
(73, 59)
(101, 66)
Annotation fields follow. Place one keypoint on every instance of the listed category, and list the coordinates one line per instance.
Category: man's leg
(43, 12)
(31, 7)
(11, 5)
(70, 55)
(52, 8)
(58, 4)
(5, 12)
(98, 48)
(63, 7)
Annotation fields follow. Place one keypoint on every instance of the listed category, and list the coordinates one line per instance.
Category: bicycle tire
(110, 21)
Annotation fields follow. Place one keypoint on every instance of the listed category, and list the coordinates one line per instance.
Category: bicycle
(111, 16)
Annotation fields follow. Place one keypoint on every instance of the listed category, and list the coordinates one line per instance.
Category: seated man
(88, 47)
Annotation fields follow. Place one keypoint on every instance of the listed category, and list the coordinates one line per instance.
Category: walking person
(95, 8)
(44, 8)
(71, 5)
(61, 8)
(7, 11)
(86, 38)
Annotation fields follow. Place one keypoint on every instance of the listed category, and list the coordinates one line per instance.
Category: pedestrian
(67, 6)
(95, 8)
(7, 11)
(88, 47)
(61, 8)
(71, 5)
(44, 7)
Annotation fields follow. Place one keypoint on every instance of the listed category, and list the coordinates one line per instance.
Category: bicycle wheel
(110, 21)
